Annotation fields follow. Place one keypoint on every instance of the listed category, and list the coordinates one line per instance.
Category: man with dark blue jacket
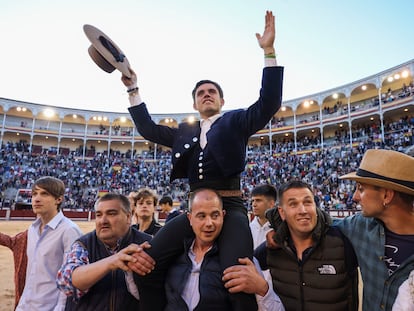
(195, 280)
(211, 154)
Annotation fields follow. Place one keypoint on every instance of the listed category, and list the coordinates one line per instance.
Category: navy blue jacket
(228, 136)
(213, 294)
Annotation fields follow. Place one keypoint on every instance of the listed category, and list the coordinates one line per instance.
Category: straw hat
(105, 53)
(387, 169)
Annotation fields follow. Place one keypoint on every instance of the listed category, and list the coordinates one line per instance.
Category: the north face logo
(327, 269)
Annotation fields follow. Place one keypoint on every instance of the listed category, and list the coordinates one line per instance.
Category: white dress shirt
(258, 231)
(259, 236)
(205, 125)
(45, 252)
(191, 294)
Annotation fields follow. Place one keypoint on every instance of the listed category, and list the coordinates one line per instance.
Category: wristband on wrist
(133, 90)
(271, 55)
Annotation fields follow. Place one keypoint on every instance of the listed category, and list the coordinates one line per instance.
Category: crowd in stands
(85, 178)
(320, 167)
(341, 108)
(397, 133)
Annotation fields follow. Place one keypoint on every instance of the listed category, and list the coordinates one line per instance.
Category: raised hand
(129, 82)
(267, 39)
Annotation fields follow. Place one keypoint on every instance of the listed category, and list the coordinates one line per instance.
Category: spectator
(48, 238)
(166, 205)
(95, 275)
(312, 251)
(194, 281)
(145, 202)
(383, 234)
(263, 198)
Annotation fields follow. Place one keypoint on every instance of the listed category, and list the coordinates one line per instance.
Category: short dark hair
(201, 82)
(118, 197)
(266, 190)
(146, 193)
(53, 185)
(293, 184)
(166, 200)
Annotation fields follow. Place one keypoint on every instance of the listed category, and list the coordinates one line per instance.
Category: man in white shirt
(195, 280)
(166, 205)
(263, 198)
(49, 237)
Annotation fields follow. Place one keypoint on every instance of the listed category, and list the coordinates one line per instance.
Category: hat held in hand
(105, 53)
(386, 169)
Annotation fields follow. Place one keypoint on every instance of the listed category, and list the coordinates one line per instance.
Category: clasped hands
(134, 258)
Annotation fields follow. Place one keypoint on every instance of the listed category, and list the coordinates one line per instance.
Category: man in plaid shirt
(383, 234)
(95, 272)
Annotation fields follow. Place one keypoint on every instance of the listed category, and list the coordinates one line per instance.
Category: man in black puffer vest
(95, 272)
(313, 266)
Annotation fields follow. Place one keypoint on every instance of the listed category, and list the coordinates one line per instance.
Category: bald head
(204, 195)
(206, 216)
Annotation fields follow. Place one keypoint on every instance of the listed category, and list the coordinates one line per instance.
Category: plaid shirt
(76, 257)
(367, 236)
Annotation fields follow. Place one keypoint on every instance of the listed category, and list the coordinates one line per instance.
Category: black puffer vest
(326, 279)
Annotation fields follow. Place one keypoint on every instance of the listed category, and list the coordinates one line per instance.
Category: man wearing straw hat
(383, 234)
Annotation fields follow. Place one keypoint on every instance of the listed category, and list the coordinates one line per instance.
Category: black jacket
(227, 138)
(213, 295)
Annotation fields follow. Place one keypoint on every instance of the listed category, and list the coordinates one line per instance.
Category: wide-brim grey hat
(105, 53)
